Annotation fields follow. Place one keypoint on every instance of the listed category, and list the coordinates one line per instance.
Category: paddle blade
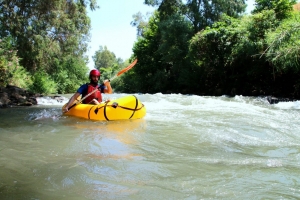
(127, 68)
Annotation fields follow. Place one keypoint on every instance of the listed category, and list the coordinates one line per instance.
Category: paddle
(124, 70)
(118, 74)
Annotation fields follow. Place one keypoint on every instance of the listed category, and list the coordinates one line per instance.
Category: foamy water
(186, 147)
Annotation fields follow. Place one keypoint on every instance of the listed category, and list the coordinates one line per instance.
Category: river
(186, 147)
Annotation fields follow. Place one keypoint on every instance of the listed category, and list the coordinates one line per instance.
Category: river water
(186, 147)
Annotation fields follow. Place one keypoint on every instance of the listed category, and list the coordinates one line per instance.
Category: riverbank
(11, 96)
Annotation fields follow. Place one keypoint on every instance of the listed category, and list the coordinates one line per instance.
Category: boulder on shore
(15, 96)
(274, 100)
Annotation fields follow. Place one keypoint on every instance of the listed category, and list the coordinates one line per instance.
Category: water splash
(292, 105)
(53, 114)
(52, 100)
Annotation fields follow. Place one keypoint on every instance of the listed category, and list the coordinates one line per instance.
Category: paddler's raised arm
(108, 89)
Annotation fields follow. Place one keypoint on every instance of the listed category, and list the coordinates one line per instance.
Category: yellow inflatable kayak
(128, 107)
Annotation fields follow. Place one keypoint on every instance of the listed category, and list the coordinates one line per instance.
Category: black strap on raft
(90, 111)
(105, 111)
(115, 105)
(136, 109)
(136, 104)
(97, 109)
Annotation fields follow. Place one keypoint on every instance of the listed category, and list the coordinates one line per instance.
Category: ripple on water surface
(186, 147)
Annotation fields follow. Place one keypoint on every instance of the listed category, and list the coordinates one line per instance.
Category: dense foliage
(107, 63)
(210, 48)
(229, 53)
(282, 8)
(51, 38)
(284, 45)
(11, 72)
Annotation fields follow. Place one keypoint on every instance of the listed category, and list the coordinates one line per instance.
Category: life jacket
(96, 95)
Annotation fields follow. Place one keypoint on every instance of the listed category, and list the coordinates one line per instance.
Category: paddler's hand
(94, 101)
(108, 89)
(106, 82)
(65, 109)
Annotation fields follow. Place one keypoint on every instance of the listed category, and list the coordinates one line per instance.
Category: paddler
(84, 90)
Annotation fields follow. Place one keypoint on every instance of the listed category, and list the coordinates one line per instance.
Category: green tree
(148, 76)
(282, 8)
(175, 35)
(11, 72)
(107, 62)
(104, 58)
(204, 13)
(46, 31)
(283, 53)
(140, 22)
(229, 55)
(162, 65)
(211, 49)
(284, 44)
(201, 13)
(71, 72)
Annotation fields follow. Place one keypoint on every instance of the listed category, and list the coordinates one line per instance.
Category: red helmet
(95, 72)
